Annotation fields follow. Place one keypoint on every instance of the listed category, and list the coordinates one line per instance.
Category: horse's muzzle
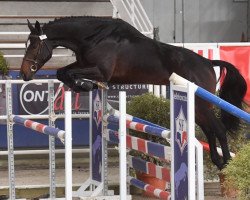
(25, 78)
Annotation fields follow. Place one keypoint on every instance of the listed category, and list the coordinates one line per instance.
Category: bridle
(36, 61)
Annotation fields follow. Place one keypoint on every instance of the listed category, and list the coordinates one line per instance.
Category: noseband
(35, 61)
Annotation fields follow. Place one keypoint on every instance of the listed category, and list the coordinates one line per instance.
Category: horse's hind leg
(215, 157)
(220, 133)
(211, 126)
(215, 129)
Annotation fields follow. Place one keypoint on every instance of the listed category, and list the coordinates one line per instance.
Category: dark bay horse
(112, 51)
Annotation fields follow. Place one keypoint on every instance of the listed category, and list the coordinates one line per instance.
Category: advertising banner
(130, 89)
(33, 99)
(2, 102)
(32, 95)
(96, 139)
(180, 145)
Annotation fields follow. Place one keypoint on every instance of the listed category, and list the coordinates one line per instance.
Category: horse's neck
(60, 35)
(65, 43)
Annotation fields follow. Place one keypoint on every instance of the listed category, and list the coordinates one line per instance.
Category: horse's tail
(232, 90)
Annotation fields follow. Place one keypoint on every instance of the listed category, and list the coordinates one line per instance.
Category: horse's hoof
(84, 86)
(220, 166)
(102, 85)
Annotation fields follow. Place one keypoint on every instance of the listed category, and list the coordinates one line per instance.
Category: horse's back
(191, 66)
(133, 56)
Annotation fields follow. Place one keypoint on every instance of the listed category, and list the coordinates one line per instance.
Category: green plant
(155, 110)
(4, 67)
(237, 173)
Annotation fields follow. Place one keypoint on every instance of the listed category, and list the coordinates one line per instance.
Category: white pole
(200, 170)
(123, 146)
(68, 146)
(157, 90)
(172, 140)
(191, 141)
(90, 136)
(164, 91)
(151, 88)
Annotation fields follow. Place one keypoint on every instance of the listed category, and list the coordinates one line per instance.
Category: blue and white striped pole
(42, 128)
(204, 94)
(164, 133)
(116, 113)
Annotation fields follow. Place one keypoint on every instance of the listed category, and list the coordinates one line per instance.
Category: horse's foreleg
(81, 79)
(64, 76)
(92, 73)
(87, 78)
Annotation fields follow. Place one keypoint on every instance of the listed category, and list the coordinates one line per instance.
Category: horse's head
(38, 52)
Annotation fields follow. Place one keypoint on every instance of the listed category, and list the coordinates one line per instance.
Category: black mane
(73, 19)
(97, 28)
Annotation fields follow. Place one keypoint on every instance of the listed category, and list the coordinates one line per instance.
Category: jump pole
(64, 136)
(131, 118)
(123, 146)
(204, 94)
(47, 130)
(68, 145)
(182, 142)
(190, 192)
(189, 148)
(96, 186)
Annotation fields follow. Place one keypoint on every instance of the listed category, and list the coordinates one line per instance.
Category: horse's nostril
(23, 76)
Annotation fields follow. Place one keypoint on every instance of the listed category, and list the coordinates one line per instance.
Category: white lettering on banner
(27, 96)
(34, 99)
(130, 87)
(179, 97)
(30, 95)
(40, 96)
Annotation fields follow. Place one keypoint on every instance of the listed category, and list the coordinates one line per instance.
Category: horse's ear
(38, 27)
(32, 29)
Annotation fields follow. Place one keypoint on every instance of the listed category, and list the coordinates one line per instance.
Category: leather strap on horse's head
(35, 61)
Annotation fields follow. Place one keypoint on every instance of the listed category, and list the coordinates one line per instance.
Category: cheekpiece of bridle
(35, 61)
